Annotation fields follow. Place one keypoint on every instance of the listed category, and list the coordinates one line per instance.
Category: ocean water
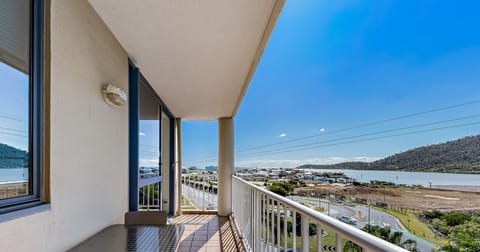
(411, 178)
(14, 174)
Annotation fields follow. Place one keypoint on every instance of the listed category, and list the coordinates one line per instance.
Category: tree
(465, 237)
(278, 190)
(386, 234)
(281, 188)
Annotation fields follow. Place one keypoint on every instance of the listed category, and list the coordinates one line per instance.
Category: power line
(11, 129)
(355, 136)
(11, 118)
(373, 133)
(350, 128)
(363, 125)
(11, 134)
(367, 139)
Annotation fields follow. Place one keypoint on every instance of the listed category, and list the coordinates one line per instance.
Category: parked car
(348, 220)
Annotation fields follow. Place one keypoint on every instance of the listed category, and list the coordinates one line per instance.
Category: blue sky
(13, 107)
(332, 65)
(336, 64)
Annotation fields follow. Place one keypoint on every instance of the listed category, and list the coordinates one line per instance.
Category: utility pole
(368, 217)
(328, 204)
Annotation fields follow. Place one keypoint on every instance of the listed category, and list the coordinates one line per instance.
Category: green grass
(414, 225)
(186, 204)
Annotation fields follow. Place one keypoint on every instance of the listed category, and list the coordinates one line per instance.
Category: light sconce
(114, 95)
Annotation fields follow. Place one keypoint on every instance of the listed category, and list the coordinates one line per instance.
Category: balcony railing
(200, 190)
(266, 219)
(149, 193)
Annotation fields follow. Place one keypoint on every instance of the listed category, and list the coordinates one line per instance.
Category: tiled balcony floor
(206, 233)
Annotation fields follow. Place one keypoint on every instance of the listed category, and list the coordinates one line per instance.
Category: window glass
(15, 167)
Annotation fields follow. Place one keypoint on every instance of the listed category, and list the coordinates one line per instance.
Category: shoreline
(463, 188)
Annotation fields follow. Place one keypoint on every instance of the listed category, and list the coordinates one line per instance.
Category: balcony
(208, 232)
(269, 222)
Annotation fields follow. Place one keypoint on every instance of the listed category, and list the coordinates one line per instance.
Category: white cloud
(283, 135)
(292, 163)
(148, 162)
(322, 130)
(141, 134)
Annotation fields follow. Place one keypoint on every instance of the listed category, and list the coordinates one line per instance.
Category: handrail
(363, 239)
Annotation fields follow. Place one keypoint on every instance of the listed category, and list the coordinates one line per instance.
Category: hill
(458, 156)
(11, 157)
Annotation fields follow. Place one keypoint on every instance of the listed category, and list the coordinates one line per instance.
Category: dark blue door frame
(135, 80)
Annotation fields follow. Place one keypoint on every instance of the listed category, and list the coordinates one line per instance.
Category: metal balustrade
(10, 189)
(149, 193)
(201, 190)
(268, 222)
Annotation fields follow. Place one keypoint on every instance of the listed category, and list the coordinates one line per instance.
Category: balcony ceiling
(198, 55)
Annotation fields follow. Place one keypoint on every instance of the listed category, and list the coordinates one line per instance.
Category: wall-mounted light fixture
(114, 95)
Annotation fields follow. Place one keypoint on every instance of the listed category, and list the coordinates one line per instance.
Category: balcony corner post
(225, 165)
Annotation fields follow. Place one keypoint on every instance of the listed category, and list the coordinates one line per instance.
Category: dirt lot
(406, 197)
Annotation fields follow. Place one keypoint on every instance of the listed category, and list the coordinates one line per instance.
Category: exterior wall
(89, 139)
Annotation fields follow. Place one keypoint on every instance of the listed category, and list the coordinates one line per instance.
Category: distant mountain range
(11, 157)
(458, 156)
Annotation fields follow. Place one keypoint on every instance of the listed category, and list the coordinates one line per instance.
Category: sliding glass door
(151, 151)
(149, 138)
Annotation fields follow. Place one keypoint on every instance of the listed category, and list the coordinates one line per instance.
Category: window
(21, 77)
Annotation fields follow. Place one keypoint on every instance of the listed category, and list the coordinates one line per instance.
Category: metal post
(256, 219)
(278, 225)
(338, 242)
(319, 237)
(369, 221)
(328, 205)
(285, 233)
(148, 197)
(267, 224)
(304, 233)
(203, 196)
(272, 223)
(294, 229)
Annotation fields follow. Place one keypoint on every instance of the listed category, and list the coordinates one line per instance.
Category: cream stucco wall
(89, 139)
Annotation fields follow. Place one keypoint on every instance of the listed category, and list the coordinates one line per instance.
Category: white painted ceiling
(198, 55)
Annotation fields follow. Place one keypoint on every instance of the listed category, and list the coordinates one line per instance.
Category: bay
(410, 178)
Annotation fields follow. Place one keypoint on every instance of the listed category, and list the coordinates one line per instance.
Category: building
(174, 61)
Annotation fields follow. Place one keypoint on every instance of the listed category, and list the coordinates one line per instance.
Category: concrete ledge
(24, 212)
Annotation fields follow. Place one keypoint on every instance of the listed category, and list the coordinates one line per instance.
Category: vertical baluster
(285, 234)
(264, 235)
(203, 193)
(304, 233)
(338, 242)
(148, 197)
(143, 197)
(272, 223)
(294, 229)
(278, 225)
(319, 237)
(267, 227)
(256, 235)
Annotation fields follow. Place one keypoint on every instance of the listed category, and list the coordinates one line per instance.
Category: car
(348, 220)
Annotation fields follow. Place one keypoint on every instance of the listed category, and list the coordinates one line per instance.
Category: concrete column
(225, 165)
(178, 159)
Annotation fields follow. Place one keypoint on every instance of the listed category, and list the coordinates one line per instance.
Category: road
(376, 218)
(201, 200)
(209, 200)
